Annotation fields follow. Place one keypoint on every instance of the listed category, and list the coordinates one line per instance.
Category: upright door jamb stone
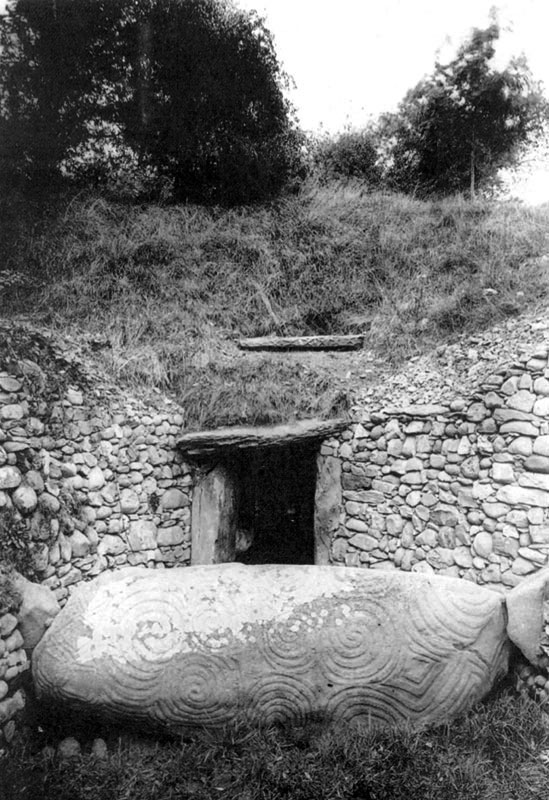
(213, 517)
(328, 500)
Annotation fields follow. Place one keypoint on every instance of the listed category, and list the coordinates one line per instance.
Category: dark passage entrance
(276, 495)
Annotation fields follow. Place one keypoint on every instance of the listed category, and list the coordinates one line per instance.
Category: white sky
(354, 58)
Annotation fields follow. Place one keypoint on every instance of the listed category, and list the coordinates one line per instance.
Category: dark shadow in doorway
(276, 496)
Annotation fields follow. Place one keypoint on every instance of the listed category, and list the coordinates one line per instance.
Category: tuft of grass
(260, 393)
(10, 597)
(162, 292)
(499, 750)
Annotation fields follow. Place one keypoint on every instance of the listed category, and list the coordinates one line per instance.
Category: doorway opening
(264, 494)
(275, 505)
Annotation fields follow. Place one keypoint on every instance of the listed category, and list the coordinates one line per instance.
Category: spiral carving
(287, 646)
(202, 689)
(199, 645)
(355, 646)
(281, 699)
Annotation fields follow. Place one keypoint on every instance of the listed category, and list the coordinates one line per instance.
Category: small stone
(510, 386)
(522, 401)
(364, 541)
(541, 445)
(96, 479)
(129, 502)
(537, 464)
(520, 428)
(515, 495)
(8, 384)
(534, 517)
(8, 623)
(99, 749)
(428, 537)
(492, 400)
(539, 534)
(463, 557)
(541, 386)
(75, 397)
(111, 545)
(521, 446)
(482, 544)
(535, 480)
(142, 535)
(10, 477)
(536, 364)
(80, 545)
(395, 524)
(12, 412)
(541, 407)
(24, 499)
(171, 536)
(68, 749)
(11, 705)
(9, 730)
(535, 556)
(14, 641)
(503, 473)
(174, 498)
(477, 412)
(357, 525)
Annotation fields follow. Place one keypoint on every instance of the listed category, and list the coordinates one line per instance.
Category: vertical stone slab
(327, 506)
(213, 518)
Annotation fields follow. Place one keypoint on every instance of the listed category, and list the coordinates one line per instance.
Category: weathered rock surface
(199, 645)
(38, 608)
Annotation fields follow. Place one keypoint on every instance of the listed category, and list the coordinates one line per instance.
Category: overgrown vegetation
(184, 97)
(499, 750)
(162, 293)
(16, 548)
(10, 598)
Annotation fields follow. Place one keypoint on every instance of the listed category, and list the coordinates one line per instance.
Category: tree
(351, 154)
(213, 114)
(193, 86)
(54, 68)
(458, 127)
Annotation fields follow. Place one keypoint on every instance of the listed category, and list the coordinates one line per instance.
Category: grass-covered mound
(498, 751)
(164, 291)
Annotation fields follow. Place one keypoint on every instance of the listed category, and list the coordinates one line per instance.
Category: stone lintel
(231, 438)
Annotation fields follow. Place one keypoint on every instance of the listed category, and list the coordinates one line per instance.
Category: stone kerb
(461, 489)
(96, 483)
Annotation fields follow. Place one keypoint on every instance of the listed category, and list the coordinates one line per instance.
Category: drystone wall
(461, 489)
(13, 663)
(91, 479)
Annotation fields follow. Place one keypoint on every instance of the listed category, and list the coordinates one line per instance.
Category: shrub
(352, 154)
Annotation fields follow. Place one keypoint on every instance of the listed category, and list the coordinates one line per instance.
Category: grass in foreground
(497, 752)
(165, 288)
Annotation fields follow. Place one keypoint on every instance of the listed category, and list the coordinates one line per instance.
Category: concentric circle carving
(280, 699)
(361, 645)
(287, 646)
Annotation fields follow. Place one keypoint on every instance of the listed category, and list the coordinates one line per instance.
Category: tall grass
(168, 289)
(497, 752)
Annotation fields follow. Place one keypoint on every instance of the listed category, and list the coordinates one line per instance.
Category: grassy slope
(170, 288)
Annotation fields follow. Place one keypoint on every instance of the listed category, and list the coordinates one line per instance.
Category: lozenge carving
(202, 645)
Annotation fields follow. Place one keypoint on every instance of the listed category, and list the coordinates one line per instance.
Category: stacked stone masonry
(96, 484)
(13, 663)
(461, 489)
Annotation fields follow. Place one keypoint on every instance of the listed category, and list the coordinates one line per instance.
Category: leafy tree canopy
(193, 87)
(458, 127)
